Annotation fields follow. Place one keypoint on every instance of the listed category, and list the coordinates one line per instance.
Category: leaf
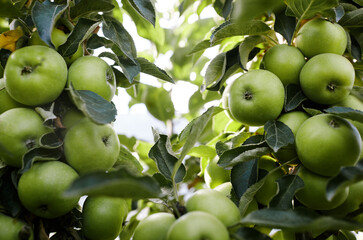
(145, 8)
(48, 115)
(299, 219)
(246, 47)
(9, 38)
(85, 7)
(113, 30)
(293, 97)
(243, 153)
(165, 158)
(304, 9)
(129, 68)
(127, 160)
(45, 16)
(345, 177)
(120, 183)
(285, 25)
(39, 154)
(215, 69)
(8, 10)
(200, 46)
(278, 135)
(81, 31)
(244, 175)
(223, 7)
(246, 233)
(202, 151)
(288, 185)
(96, 41)
(346, 112)
(50, 141)
(94, 106)
(9, 194)
(153, 70)
(228, 29)
(352, 19)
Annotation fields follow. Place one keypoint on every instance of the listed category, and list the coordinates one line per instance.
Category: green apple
(352, 203)
(293, 120)
(215, 203)
(35, 75)
(325, 143)
(72, 117)
(327, 78)
(198, 225)
(285, 62)
(41, 188)
(215, 175)
(14, 229)
(225, 101)
(321, 36)
(224, 188)
(256, 97)
(270, 187)
(91, 147)
(20, 131)
(154, 227)
(93, 74)
(6, 101)
(102, 217)
(312, 195)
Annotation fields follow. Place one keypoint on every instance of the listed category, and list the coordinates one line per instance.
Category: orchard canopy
(268, 144)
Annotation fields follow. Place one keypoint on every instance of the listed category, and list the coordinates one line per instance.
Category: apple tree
(271, 148)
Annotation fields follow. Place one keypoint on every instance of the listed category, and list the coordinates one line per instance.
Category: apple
(21, 129)
(256, 97)
(94, 74)
(14, 229)
(270, 187)
(327, 78)
(312, 195)
(225, 101)
(198, 225)
(154, 227)
(293, 120)
(72, 117)
(6, 101)
(102, 217)
(41, 188)
(215, 203)
(35, 75)
(215, 175)
(91, 147)
(325, 143)
(321, 36)
(58, 37)
(285, 62)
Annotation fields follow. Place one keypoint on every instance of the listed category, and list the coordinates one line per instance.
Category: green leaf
(153, 70)
(45, 15)
(120, 183)
(246, 47)
(47, 114)
(223, 7)
(244, 175)
(293, 97)
(285, 25)
(130, 69)
(158, 102)
(243, 153)
(50, 141)
(127, 160)
(80, 32)
(304, 9)
(215, 69)
(202, 151)
(9, 194)
(352, 19)
(288, 185)
(96, 41)
(39, 154)
(94, 106)
(246, 233)
(165, 158)
(228, 29)
(357, 91)
(299, 219)
(200, 46)
(346, 112)
(113, 30)
(8, 10)
(184, 6)
(345, 177)
(145, 8)
(85, 7)
(278, 135)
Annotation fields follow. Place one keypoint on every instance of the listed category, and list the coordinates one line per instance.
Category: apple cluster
(36, 76)
(203, 220)
(324, 143)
